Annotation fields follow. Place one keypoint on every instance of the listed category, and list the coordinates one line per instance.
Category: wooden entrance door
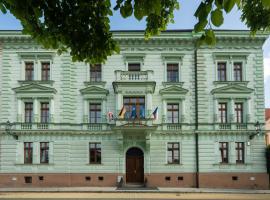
(134, 166)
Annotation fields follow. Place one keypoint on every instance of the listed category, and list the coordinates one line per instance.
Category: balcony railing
(225, 126)
(174, 127)
(133, 75)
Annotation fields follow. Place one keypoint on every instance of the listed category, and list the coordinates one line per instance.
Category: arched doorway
(134, 165)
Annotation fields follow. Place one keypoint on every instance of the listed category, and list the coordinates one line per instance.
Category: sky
(184, 19)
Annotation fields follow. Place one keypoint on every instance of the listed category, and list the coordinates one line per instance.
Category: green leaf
(266, 3)
(228, 5)
(219, 3)
(210, 38)
(217, 17)
(200, 26)
(3, 9)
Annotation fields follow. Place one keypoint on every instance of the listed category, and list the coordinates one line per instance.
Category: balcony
(137, 76)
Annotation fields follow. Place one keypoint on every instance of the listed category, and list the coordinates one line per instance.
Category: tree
(83, 26)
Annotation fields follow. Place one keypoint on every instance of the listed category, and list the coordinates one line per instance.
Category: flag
(142, 113)
(110, 116)
(133, 112)
(122, 112)
(155, 113)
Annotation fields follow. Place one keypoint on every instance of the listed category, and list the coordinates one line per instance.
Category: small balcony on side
(137, 76)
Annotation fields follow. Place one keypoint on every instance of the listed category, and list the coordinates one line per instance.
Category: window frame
(178, 72)
(95, 75)
(25, 70)
(95, 152)
(167, 111)
(44, 109)
(48, 71)
(28, 149)
(220, 115)
(241, 70)
(32, 113)
(95, 112)
(236, 112)
(221, 150)
(42, 149)
(129, 105)
(134, 63)
(171, 151)
(238, 149)
(226, 70)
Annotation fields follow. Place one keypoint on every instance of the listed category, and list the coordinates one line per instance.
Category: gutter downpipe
(196, 119)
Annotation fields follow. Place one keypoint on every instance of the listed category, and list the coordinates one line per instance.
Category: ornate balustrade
(133, 75)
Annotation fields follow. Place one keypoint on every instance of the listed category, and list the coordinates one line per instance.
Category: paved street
(128, 196)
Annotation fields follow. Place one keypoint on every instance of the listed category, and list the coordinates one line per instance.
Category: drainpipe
(196, 119)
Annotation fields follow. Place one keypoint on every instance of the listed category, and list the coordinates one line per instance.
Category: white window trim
(181, 106)
(180, 153)
(179, 69)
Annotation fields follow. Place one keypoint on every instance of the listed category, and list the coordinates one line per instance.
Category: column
(118, 103)
(19, 111)
(149, 104)
(232, 114)
(51, 110)
(85, 111)
(164, 114)
(36, 111)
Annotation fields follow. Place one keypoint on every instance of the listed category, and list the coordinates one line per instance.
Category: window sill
(173, 164)
(89, 83)
(231, 82)
(172, 83)
(34, 164)
(231, 164)
(49, 82)
(95, 164)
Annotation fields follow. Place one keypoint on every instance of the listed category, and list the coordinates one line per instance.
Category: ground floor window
(173, 156)
(28, 152)
(95, 152)
(44, 152)
(240, 152)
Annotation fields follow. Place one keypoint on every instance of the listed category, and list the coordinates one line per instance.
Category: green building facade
(187, 113)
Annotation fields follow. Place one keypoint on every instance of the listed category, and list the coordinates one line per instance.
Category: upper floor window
(173, 113)
(221, 68)
(29, 71)
(173, 153)
(95, 73)
(95, 113)
(44, 112)
(222, 109)
(239, 112)
(240, 152)
(237, 71)
(44, 152)
(28, 152)
(135, 107)
(28, 112)
(95, 153)
(172, 72)
(134, 67)
(45, 71)
(224, 148)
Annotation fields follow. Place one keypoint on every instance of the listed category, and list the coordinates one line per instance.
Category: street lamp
(257, 130)
(8, 130)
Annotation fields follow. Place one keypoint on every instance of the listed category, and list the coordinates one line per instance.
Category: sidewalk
(139, 190)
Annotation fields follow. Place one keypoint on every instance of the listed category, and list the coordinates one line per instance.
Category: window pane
(134, 66)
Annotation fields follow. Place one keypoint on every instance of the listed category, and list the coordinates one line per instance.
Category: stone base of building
(178, 180)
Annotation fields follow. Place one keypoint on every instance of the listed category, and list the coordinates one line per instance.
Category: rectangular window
(95, 113)
(44, 112)
(222, 109)
(237, 71)
(240, 152)
(44, 152)
(95, 153)
(95, 73)
(222, 71)
(173, 72)
(28, 112)
(29, 71)
(238, 107)
(173, 153)
(134, 67)
(45, 71)
(28, 152)
(173, 113)
(224, 148)
(135, 107)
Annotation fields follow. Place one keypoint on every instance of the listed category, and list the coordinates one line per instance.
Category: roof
(267, 114)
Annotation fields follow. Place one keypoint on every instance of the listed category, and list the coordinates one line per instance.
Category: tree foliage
(83, 26)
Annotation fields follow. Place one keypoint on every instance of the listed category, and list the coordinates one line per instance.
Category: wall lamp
(257, 130)
(9, 131)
